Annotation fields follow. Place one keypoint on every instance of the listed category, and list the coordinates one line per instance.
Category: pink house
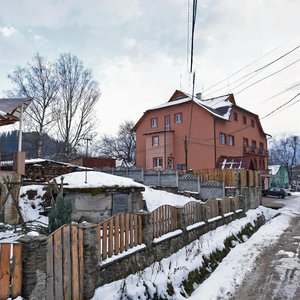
(186, 133)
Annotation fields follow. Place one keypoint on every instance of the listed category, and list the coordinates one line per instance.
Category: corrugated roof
(10, 109)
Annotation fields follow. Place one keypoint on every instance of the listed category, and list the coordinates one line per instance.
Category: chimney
(199, 96)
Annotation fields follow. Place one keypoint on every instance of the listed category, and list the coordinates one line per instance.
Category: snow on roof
(156, 198)
(218, 106)
(41, 160)
(95, 179)
(274, 169)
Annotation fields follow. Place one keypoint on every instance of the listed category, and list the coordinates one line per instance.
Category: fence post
(147, 228)
(143, 175)
(177, 180)
(198, 184)
(34, 265)
(90, 259)
(181, 219)
(158, 178)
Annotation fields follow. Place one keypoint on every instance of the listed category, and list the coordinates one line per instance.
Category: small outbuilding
(279, 176)
(96, 196)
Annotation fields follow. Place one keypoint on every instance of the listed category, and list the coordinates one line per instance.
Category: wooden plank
(117, 234)
(111, 237)
(5, 271)
(104, 240)
(74, 256)
(131, 230)
(122, 225)
(50, 269)
(99, 240)
(126, 231)
(66, 262)
(58, 278)
(81, 266)
(136, 230)
(153, 217)
(140, 230)
(17, 271)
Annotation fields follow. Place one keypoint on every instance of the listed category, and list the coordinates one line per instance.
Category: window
(157, 162)
(252, 123)
(178, 118)
(155, 141)
(167, 123)
(254, 146)
(245, 144)
(222, 138)
(231, 140)
(154, 122)
(235, 116)
(244, 120)
(261, 148)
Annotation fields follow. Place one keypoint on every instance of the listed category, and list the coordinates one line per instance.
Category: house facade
(279, 176)
(193, 133)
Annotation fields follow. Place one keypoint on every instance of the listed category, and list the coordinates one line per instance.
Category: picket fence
(10, 270)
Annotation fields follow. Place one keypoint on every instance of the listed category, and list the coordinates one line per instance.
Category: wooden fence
(194, 212)
(118, 234)
(164, 220)
(65, 263)
(226, 205)
(10, 270)
(230, 177)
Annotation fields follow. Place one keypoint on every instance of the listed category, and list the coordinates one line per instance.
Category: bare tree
(37, 80)
(284, 151)
(78, 95)
(121, 147)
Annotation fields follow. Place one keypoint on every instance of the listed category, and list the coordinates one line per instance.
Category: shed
(279, 176)
(97, 196)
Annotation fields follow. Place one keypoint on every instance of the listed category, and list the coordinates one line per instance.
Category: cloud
(7, 31)
(129, 44)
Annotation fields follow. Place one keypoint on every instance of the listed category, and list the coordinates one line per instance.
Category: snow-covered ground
(223, 281)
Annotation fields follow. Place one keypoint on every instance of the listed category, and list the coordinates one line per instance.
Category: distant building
(279, 176)
(93, 162)
(194, 133)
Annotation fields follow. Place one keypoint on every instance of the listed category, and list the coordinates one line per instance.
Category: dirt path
(277, 271)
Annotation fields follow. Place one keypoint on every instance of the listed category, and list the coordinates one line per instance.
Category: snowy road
(266, 267)
(276, 274)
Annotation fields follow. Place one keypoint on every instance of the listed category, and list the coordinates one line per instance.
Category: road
(276, 274)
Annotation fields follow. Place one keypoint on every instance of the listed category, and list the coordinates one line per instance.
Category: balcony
(255, 151)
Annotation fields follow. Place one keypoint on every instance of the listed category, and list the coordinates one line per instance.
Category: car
(274, 191)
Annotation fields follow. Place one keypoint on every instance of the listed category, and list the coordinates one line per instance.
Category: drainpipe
(215, 147)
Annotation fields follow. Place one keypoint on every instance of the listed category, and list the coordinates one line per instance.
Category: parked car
(274, 191)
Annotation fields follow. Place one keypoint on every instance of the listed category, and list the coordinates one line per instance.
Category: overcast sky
(137, 50)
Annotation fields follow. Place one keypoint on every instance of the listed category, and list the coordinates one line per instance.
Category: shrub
(61, 213)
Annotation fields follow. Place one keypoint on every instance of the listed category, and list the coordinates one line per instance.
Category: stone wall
(97, 273)
(96, 208)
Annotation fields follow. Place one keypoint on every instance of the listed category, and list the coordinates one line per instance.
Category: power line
(194, 14)
(256, 72)
(250, 85)
(243, 68)
(276, 95)
(279, 107)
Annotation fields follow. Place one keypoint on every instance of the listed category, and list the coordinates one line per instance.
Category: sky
(139, 51)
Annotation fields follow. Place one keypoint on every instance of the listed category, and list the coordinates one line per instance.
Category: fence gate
(65, 263)
(10, 270)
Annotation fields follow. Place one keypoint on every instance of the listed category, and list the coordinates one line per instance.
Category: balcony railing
(255, 150)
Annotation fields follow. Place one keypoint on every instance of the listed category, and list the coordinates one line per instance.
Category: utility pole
(86, 155)
(186, 152)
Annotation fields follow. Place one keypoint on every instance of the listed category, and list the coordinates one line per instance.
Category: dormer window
(154, 122)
